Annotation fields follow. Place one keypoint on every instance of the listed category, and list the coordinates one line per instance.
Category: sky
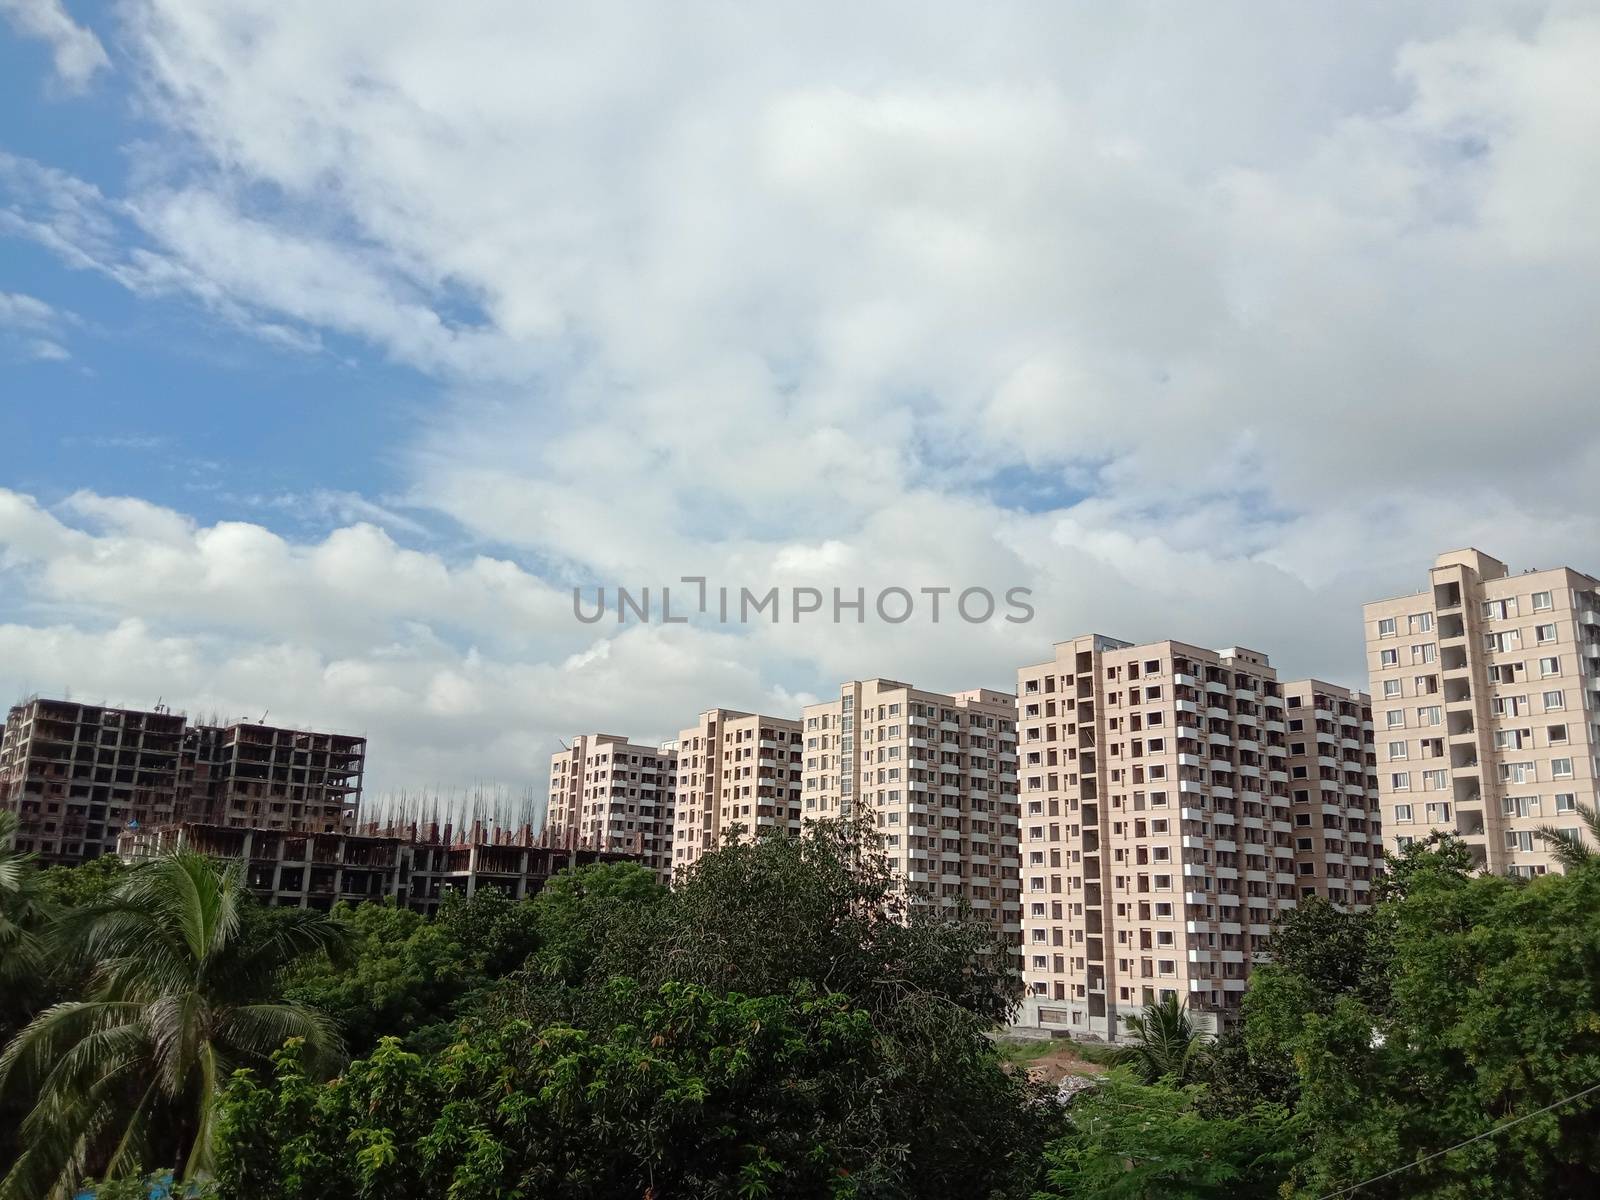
(340, 342)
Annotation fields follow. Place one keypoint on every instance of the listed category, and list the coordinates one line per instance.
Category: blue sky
(158, 400)
(337, 341)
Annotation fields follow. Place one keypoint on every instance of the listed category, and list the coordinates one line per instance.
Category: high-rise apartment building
(1160, 834)
(1484, 689)
(1333, 783)
(78, 775)
(734, 769)
(937, 774)
(607, 793)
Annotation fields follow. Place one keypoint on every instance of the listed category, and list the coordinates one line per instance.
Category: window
(1519, 840)
(1424, 652)
(1395, 718)
(1499, 609)
(1543, 602)
(1389, 658)
(1419, 623)
(1435, 781)
(1566, 802)
(1520, 772)
(1430, 715)
(1402, 814)
(1555, 701)
(1555, 734)
(1396, 750)
(1520, 806)
(1438, 814)
(1391, 688)
(1503, 643)
(1544, 634)
(1561, 768)
(1549, 666)
(1386, 627)
(1400, 781)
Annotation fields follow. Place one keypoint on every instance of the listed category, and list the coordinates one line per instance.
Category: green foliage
(398, 974)
(697, 1095)
(1570, 850)
(179, 995)
(578, 911)
(1133, 1141)
(780, 1025)
(91, 882)
(1163, 1044)
(404, 975)
(23, 913)
(757, 917)
(1488, 1009)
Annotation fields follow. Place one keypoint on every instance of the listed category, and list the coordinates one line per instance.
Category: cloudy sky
(339, 341)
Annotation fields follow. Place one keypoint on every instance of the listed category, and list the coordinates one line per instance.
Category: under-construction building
(412, 866)
(79, 775)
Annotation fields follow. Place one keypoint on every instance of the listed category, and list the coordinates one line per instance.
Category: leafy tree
(1132, 1141)
(181, 993)
(577, 911)
(781, 1024)
(1489, 1012)
(1238, 1080)
(696, 1095)
(403, 975)
(90, 882)
(760, 916)
(397, 974)
(1438, 860)
(1165, 1044)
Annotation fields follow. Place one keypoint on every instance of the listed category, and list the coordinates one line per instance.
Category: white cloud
(1209, 324)
(32, 329)
(77, 52)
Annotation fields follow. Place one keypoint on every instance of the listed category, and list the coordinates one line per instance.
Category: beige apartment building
(1161, 834)
(734, 769)
(1484, 694)
(1333, 784)
(937, 773)
(607, 793)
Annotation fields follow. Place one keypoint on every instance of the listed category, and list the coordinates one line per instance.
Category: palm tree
(1572, 851)
(21, 909)
(182, 992)
(1165, 1045)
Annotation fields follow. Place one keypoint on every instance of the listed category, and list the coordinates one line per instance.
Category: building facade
(78, 775)
(607, 793)
(1159, 827)
(1484, 690)
(317, 870)
(734, 769)
(937, 774)
(1333, 784)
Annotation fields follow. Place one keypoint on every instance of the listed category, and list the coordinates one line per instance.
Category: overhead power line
(1490, 1132)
